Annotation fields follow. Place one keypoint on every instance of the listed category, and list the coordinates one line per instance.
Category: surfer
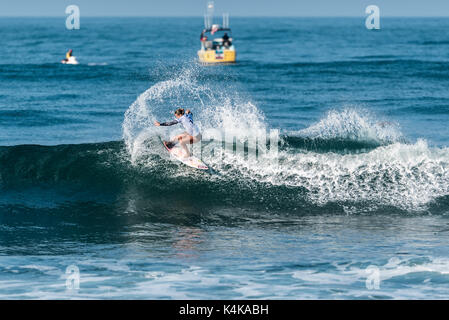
(192, 134)
(68, 55)
(69, 58)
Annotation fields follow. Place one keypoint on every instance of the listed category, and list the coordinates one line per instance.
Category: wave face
(349, 161)
(398, 176)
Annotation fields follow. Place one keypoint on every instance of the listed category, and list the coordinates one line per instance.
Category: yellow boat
(220, 49)
(216, 44)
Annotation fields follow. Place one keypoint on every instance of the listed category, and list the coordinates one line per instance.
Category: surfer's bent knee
(195, 139)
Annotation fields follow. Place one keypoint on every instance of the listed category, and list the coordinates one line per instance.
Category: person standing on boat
(226, 41)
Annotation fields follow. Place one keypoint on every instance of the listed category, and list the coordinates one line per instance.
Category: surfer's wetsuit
(187, 122)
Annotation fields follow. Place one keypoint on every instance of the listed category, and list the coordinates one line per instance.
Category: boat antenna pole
(209, 15)
(225, 20)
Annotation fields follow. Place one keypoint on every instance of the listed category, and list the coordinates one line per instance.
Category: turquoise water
(354, 207)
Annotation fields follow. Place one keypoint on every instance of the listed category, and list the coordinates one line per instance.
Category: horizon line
(201, 17)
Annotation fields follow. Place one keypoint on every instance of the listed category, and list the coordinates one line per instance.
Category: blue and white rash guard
(187, 121)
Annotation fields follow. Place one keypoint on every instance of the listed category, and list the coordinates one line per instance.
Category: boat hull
(214, 56)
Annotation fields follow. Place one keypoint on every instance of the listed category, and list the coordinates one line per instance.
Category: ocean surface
(354, 206)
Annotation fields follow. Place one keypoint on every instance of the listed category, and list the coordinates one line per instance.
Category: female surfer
(192, 134)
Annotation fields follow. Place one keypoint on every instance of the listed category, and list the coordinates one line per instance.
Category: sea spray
(353, 123)
(219, 111)
(406, 176)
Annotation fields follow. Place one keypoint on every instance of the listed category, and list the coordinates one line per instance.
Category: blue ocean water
(355, 207)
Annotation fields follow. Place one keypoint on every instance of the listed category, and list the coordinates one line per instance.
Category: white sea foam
(349, 275)
(97, 64)
(401, 175)
(419, 278)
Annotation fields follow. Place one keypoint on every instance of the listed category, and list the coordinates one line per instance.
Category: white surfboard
(192, 161)
(71, 60)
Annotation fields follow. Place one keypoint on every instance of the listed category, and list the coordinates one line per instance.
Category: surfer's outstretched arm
(166, 124)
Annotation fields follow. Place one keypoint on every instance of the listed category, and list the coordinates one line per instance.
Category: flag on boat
(214, 29)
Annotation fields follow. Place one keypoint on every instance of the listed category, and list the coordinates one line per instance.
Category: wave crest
(353, 124)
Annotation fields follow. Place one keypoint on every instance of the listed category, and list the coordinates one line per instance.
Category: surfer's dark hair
(179, 111)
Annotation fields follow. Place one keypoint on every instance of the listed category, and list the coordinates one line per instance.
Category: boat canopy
(210, 30)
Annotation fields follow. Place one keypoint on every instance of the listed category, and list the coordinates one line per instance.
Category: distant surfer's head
(179, 112)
